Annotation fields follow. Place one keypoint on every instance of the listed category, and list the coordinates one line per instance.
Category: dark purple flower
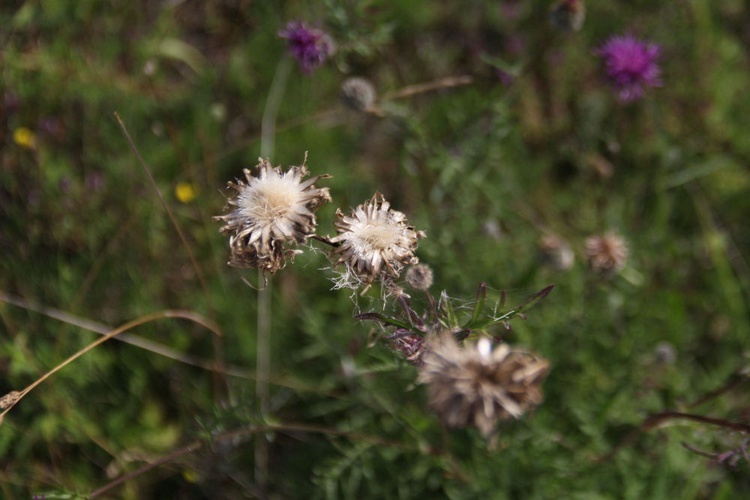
(309, 46)
(631, 65)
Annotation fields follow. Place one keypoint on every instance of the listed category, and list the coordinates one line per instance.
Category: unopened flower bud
(358, 93)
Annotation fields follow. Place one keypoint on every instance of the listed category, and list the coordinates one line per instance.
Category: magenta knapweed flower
(631, 65)
(309, 46)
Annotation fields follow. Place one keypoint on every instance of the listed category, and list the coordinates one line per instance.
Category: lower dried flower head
(606, 253)
(477, 385)
(374, 242)
(271, 209)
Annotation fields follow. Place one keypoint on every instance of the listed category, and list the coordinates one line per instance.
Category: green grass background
(83, 232)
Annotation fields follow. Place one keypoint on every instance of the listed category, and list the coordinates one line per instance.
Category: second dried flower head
(374, 242)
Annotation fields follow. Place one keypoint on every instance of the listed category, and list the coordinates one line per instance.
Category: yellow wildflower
(24, 138)
(185, 192)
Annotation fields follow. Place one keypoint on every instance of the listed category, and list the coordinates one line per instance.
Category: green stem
(262, 375)
(263, 345)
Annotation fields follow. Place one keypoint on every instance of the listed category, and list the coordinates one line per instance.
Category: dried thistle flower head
(477, 386)
(606, 253)
(374, 242)
(419, 277)
(271, 209)
(556, 253)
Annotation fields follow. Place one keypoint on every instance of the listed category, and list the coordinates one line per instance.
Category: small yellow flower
(185, 192)
(24, 138)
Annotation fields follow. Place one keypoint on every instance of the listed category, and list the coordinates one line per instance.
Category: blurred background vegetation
(536, 143)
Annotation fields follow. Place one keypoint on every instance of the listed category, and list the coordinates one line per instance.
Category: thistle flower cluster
(272, 210)
(469, 383)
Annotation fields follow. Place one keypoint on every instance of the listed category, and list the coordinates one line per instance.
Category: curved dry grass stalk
(421, 88)
(134, 340)
(12, 398)
(151, 346)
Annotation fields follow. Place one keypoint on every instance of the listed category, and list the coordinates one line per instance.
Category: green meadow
(509, 132)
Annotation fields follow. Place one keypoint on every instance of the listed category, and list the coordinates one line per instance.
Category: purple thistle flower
(309, 46)
(631, 65)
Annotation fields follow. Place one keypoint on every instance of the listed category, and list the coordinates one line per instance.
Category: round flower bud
(358, 93)
(419, 277)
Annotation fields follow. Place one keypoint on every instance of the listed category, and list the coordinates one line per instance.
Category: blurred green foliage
(485, 168)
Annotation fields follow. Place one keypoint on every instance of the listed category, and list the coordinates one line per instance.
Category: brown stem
(658, 419)
(420, 88)
(734, 381)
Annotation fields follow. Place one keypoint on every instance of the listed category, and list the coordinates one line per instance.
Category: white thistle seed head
(271, 209)
(374, 242)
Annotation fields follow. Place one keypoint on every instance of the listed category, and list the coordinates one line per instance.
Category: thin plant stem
(219, 379)
(337, 116)
(262, 375)
(421, 88)
(189, 315)
(660, 419)
(134, 340)
(271, 110)
(263, 336)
